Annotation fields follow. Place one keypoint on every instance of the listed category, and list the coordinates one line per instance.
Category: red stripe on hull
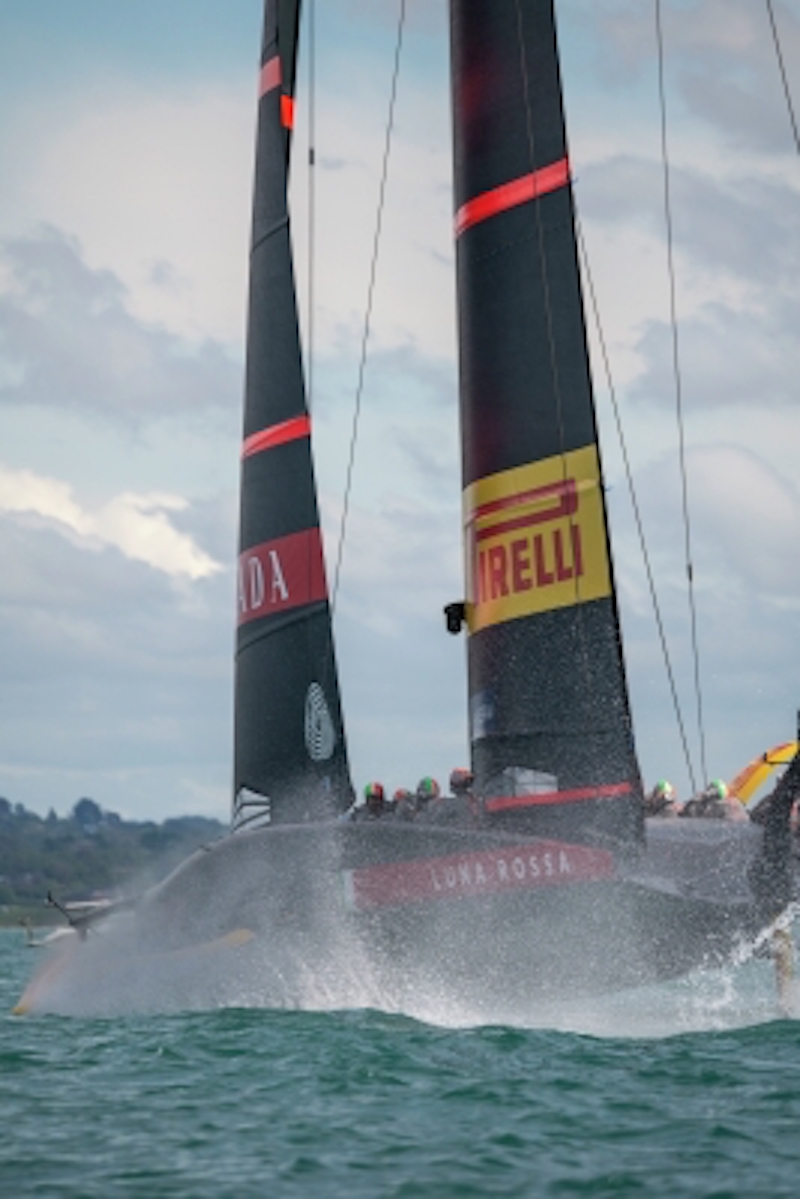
(270, 76)
(267, 439)
(507, 803)
(279, 575)
(469, 875)
(511, 195)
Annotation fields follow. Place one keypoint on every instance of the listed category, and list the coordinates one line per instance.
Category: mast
(550, 721)
(289, 738)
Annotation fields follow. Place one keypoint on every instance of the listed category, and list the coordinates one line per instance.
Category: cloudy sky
(126, 148)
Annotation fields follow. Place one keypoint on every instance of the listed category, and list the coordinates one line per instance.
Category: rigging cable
(634, 498)
(784, 76)
(312, 130)
(370, 296)
(679, 391)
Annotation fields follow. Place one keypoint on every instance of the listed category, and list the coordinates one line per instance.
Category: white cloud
(720, 63)
(117, 682)
(414, 301)
(68, 340)
(745, 519)
(136, 525)
(156, 183)
(751, 515)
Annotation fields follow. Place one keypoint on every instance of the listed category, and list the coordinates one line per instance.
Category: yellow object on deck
(748, 780)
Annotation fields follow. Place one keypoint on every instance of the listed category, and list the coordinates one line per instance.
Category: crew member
(428, 790)
(448, 809)
(373, 802)
(662, 800)
(405, 806)
(427, 801)
(716, 803)
(461, 784)
(461, 781)
(389, 803)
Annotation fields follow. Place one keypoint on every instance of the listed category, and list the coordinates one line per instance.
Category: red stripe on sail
(560, 488)
(270, 76)
(287, 112)
(471, 875)
(565, 503)
(511, 195)
(506, 803)
(267, 439)
(282, 574)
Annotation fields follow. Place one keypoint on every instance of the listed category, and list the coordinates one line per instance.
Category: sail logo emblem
(319, 730)
(535, 539)
(277, 575)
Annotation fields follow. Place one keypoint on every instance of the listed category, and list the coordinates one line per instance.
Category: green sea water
(240, 1102)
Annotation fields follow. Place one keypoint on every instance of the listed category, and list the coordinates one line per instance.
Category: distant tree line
(90, 853)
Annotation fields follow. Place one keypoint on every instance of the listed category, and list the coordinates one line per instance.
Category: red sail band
(507, 803)
(287, 112)
(270, 76)
(511, 195)
(278, 575)
(267, 439)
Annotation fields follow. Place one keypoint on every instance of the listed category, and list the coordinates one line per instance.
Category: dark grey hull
(268, 917)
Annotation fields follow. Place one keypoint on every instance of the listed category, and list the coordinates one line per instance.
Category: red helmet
(461, 779)
(401, 794)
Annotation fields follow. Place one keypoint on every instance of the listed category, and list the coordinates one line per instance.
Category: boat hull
(477, 923)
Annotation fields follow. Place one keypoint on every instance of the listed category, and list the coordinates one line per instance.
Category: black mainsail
(549, 713)
(289, 737)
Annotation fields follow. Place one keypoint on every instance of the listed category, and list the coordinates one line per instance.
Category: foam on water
(108, 976)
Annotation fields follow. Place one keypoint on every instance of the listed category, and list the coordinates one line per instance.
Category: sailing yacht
(550, 884)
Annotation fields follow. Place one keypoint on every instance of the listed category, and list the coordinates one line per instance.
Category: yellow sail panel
(748, 780)
(535, 539)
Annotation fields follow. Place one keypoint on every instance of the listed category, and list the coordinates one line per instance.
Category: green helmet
(718, 789)
(427, 789)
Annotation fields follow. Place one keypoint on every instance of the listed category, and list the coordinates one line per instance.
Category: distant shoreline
(88, 855)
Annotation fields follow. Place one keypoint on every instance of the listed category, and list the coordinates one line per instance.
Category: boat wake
(110, 976)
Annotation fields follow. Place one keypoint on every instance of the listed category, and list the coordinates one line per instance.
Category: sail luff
(549, 709)
(289, 736)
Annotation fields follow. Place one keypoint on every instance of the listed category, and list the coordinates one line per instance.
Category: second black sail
(289, 737)
(550, 721)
